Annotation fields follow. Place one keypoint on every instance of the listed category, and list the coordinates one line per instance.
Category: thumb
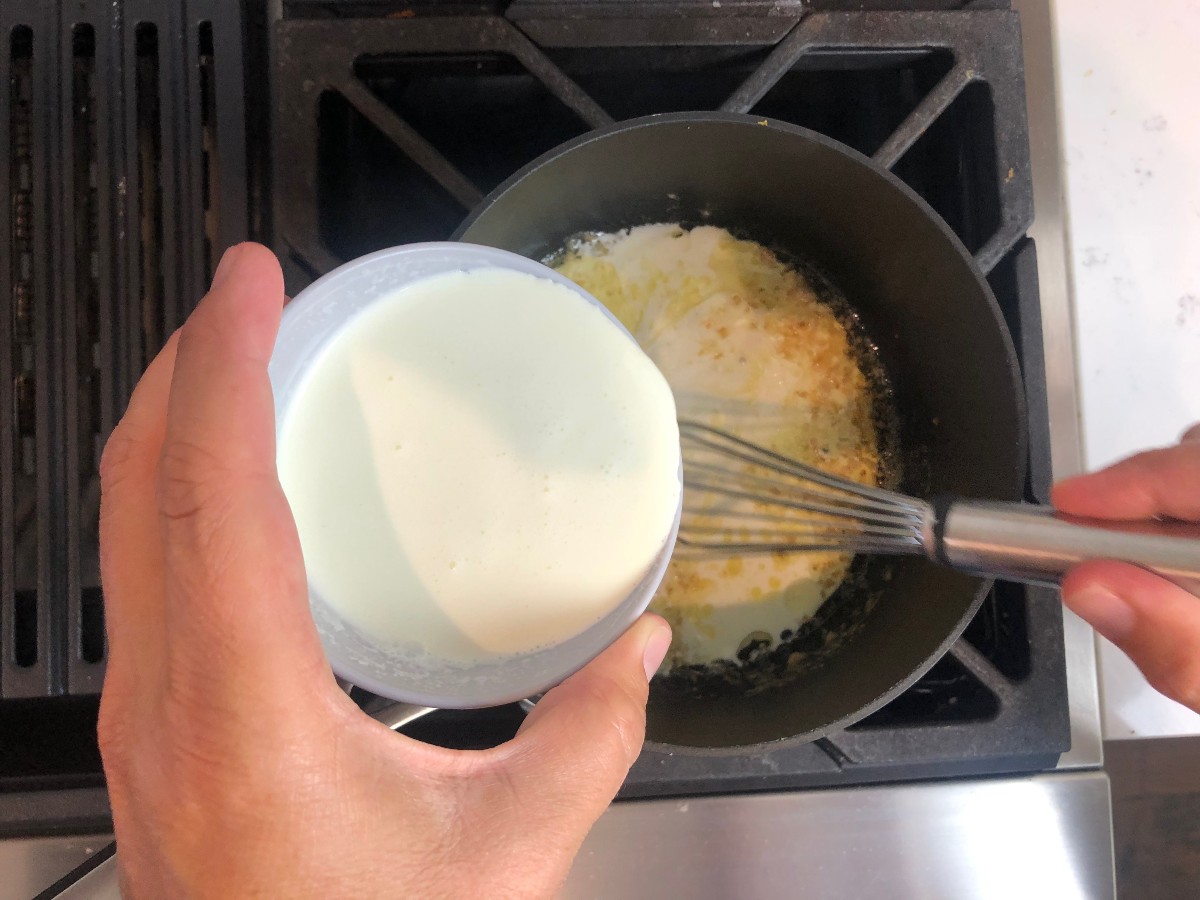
(540, 793)
(1155, 623)
(575, 748)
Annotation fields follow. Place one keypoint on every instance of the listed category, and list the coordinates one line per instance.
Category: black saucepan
(921, 301)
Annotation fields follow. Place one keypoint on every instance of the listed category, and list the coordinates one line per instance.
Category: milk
(481, 463)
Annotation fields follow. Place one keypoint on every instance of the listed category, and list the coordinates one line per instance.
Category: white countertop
(1131, 131)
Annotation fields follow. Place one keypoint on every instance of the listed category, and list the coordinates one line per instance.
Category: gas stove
(147, 136)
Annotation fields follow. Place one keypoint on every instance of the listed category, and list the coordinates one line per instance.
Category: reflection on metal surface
(1045, 836)
(31, 865)
(397, 715)
(1049, 231)
(99, 884)
(1028, 542)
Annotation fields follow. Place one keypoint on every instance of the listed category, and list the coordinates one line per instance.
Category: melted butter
(748, 347)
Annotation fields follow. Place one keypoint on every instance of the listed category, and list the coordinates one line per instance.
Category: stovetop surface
(387, 123)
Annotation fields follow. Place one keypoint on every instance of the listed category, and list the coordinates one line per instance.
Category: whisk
(741, 498)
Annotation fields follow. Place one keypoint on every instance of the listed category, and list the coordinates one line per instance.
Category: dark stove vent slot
(24, 383)
(91, 626)
(150, 203)
(20, 258)
(20, 113)
(25, 629)
(1000, 631)
(87, 260)
(953, 166)
(946, 694)
(209, 169)
(25, 514)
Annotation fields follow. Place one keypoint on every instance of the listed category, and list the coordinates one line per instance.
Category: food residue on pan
(747, 346)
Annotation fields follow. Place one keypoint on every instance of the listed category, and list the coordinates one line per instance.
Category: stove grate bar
(782, 58)
(980, 667)
(985, 43)
(555, 79)
(86, 341)
(410, 141)
(932, 106)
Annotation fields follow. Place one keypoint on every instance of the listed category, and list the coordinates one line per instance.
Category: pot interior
(918, 302)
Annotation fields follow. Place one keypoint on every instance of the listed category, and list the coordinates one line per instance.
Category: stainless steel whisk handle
(1024, 542)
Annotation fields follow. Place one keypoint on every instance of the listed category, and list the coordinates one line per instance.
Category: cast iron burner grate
(397, 120)
(125, 178)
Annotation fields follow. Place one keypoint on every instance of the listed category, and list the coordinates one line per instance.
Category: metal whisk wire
(743, 498)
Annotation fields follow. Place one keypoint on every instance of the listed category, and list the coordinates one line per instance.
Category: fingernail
(225, 266)
(656, 648)
(1108, 613)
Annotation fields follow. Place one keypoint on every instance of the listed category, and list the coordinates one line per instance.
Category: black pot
(921, 300)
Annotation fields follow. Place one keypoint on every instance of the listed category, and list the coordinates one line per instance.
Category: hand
(1156, 623)
(235, 765)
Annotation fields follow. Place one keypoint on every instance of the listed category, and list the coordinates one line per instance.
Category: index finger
(1164, 482)
(236, 587)
(1155, 623)
(131, 566)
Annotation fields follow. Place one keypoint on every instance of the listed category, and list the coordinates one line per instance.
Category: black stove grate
(130, 170)
(126, 174)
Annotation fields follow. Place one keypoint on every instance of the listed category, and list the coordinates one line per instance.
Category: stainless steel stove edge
(1042, 836)
(1049, 232)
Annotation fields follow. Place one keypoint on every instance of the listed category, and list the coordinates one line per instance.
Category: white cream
(481, 463)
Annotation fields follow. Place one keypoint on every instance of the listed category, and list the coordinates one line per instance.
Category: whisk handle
(1024, 542)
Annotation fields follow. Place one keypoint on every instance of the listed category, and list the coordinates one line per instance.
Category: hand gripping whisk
(742, 498)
